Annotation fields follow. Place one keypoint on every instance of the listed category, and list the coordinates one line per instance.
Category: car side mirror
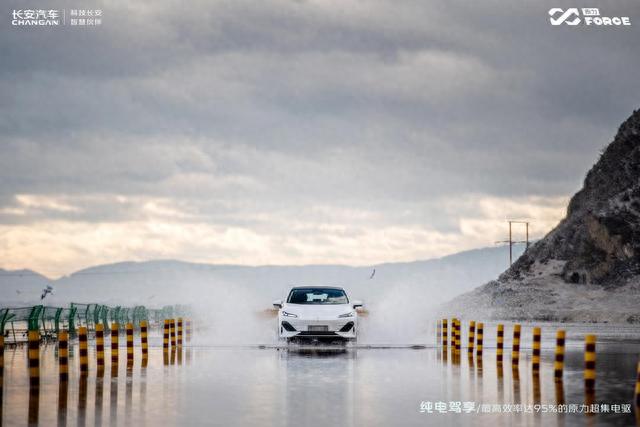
(357, 304)
(277, 303)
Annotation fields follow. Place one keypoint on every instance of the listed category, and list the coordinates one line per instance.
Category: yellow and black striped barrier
(129, 329)
(590, 362)
(172, 326)
(452, 335)
(144, 342)
(515, 349)
(84, 350)
(179, 331)
(472, 337)
(100, 348)
(558, 364)
(457, 337)
(589, 357)
(535, 360)
(63, 356)
(165, 342)
(34, 358)
(115, 327)
(165, 336)
(500, 343)
(445, 332)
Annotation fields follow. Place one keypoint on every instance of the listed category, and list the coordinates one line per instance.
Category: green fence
(16, 321)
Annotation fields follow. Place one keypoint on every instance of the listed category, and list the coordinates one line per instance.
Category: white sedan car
(317, 313)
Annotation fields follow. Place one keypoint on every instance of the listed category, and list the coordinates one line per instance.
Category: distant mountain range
(159, 282)
(236, 300)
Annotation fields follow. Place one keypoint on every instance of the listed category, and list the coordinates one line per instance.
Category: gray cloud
(239, 113)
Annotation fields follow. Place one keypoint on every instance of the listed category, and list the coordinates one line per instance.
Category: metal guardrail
(49, 321)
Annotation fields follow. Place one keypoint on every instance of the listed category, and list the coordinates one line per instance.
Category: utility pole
(510, 245)
(512, 242)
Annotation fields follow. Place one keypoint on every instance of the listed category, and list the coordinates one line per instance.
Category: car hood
(317, 309)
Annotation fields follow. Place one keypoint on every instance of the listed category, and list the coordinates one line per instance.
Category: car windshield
(317, 296)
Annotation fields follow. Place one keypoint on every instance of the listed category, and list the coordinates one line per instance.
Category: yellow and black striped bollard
(472, 337)
(144, 342)
(63, 355)
(438, 332)
(458, 338)
(34, 358)
(558, 364)
(165, 342)
(165, 336)
(445, 333)
(129, 328)
(479, 339)
(100, 349)
(535, 360)
(174, 347)
(500, 343)
(115, 327)
(590, 363)
(453, 337)
(179, 340)
(84, 350)
(173, 332)
(515, 350)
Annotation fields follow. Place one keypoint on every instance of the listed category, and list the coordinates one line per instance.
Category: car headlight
(353, 313)
(285, 314)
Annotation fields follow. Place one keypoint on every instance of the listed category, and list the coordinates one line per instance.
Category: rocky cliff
(588, 267)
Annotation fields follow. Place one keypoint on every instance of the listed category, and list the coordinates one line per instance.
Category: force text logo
(586, 16)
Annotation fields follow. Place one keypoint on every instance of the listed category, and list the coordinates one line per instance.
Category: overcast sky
(294, 132)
